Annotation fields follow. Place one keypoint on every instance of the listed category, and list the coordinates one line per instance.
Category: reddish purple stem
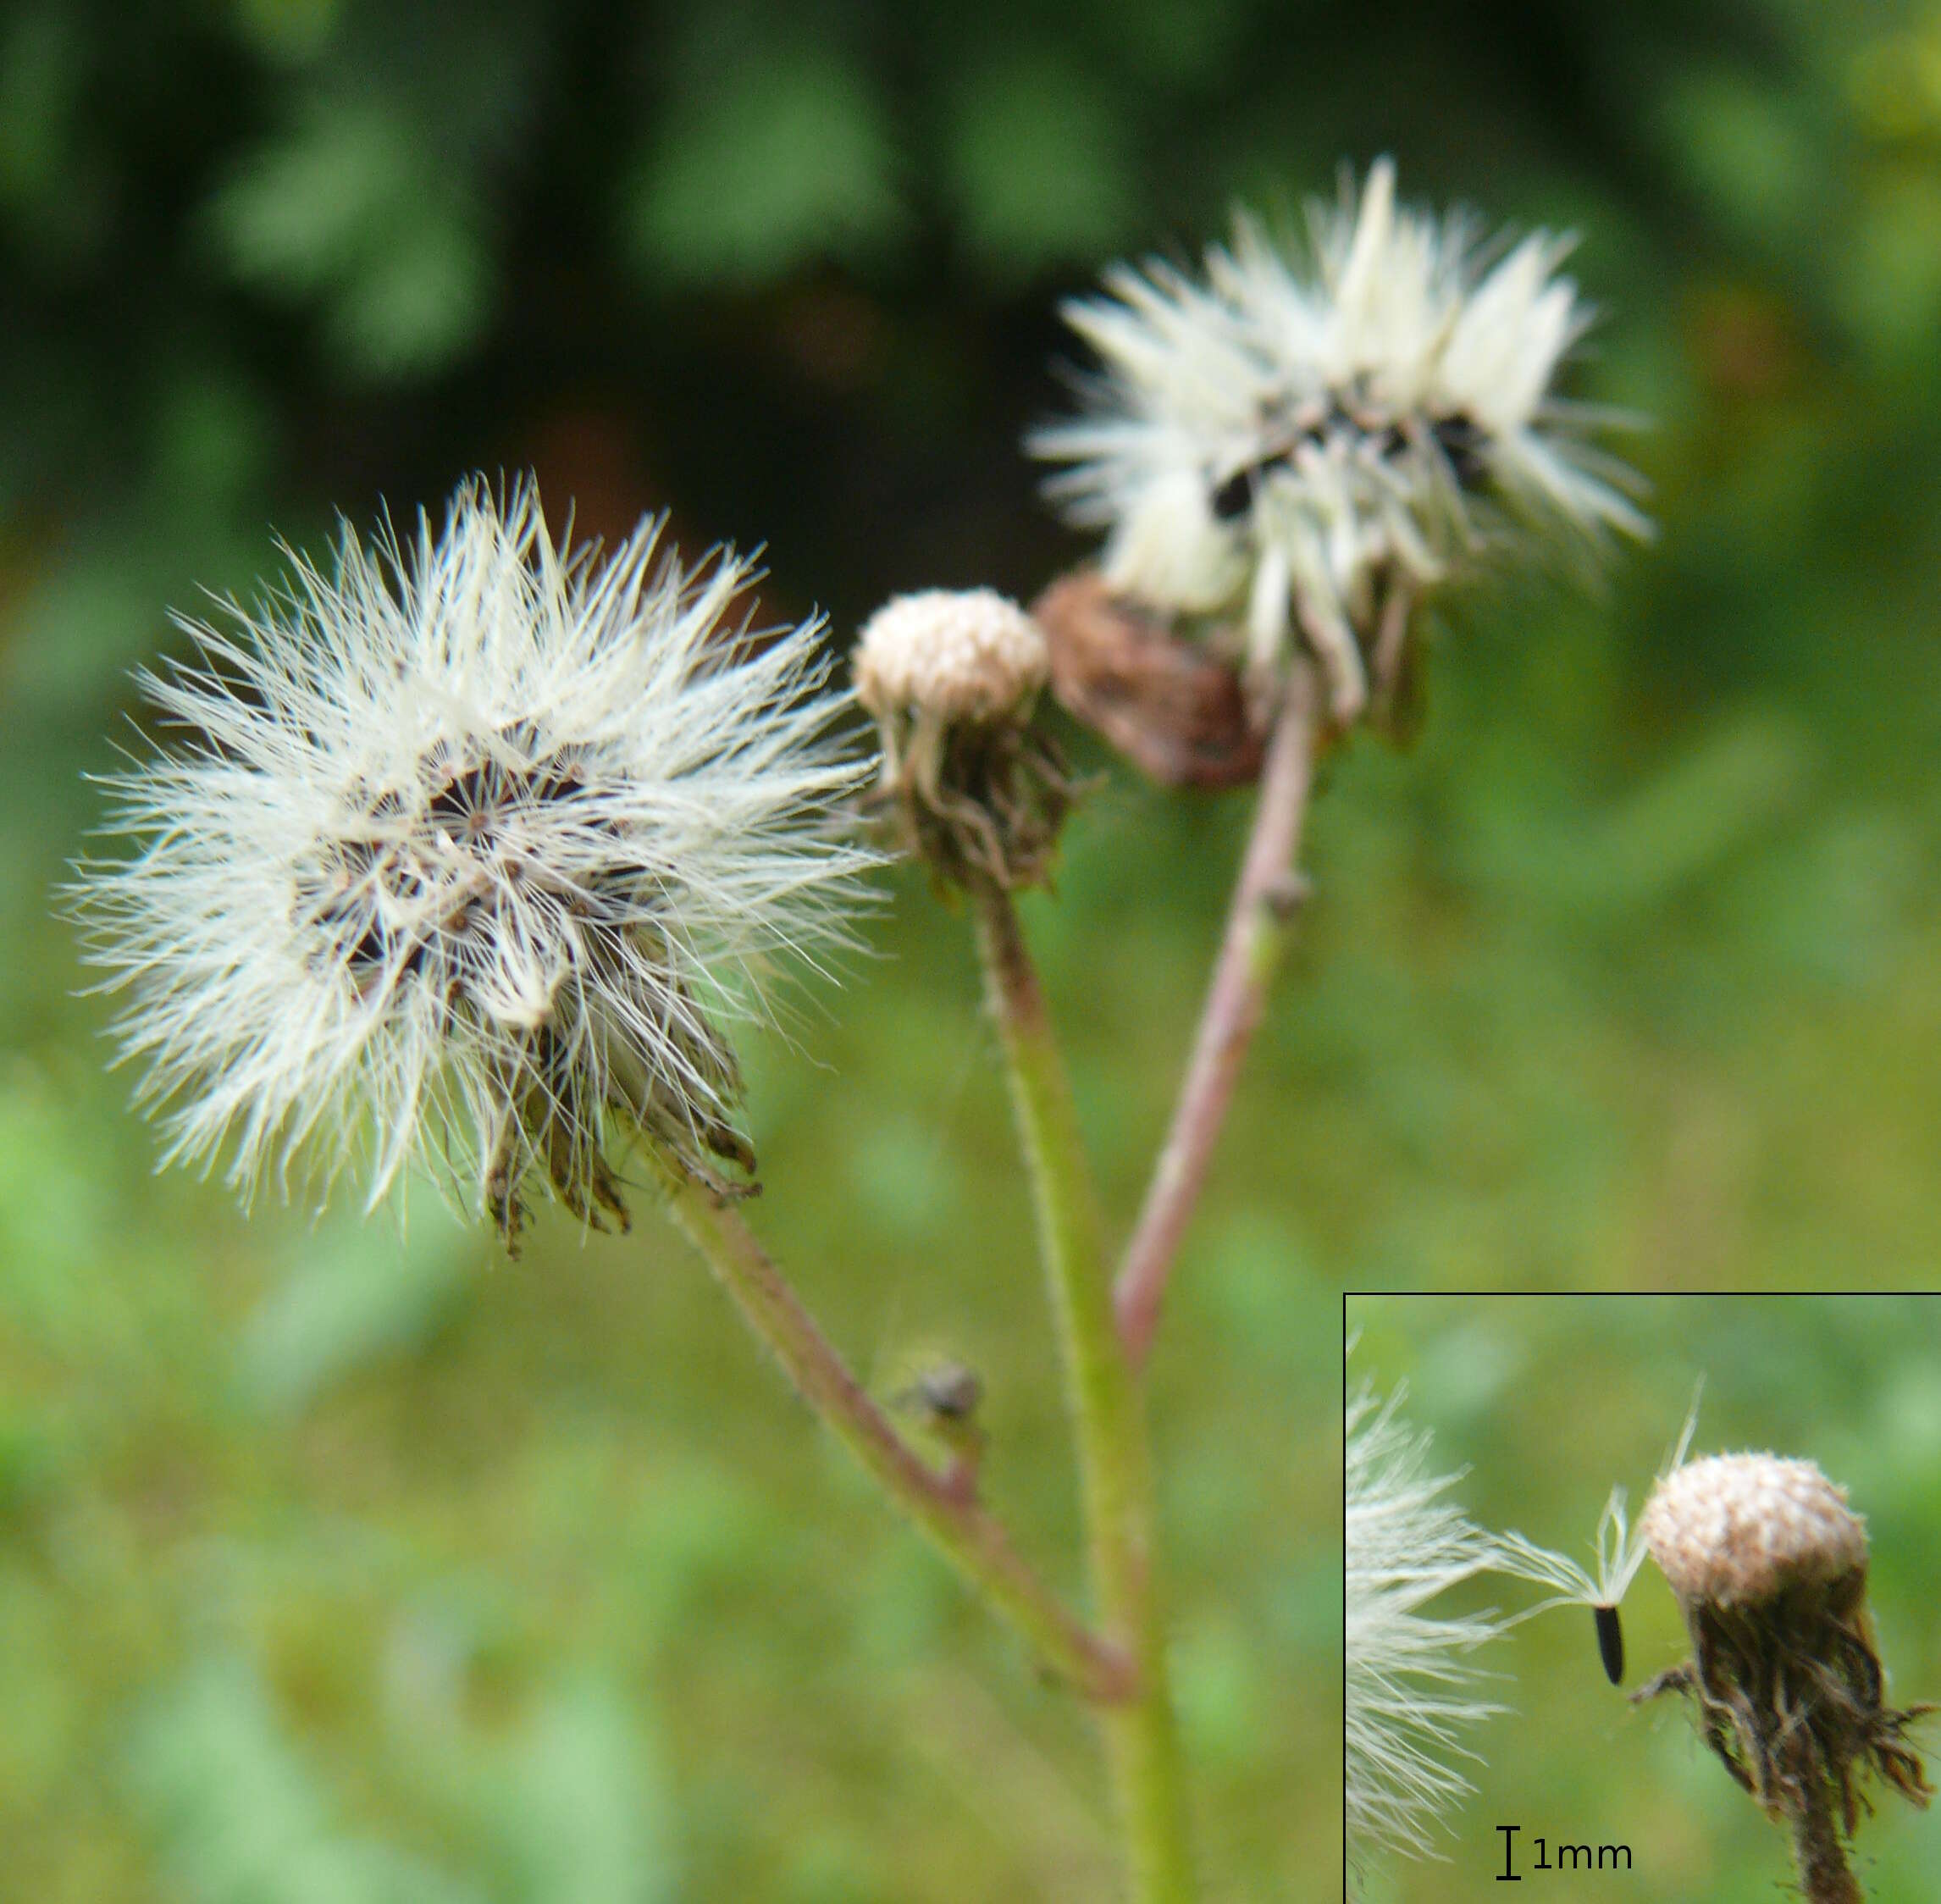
(1263, 897)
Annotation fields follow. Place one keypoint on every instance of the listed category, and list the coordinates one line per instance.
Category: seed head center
(425, 878)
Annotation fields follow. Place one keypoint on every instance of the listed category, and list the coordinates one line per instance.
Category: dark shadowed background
(336, 1567)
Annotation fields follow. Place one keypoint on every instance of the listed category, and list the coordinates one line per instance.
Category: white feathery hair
(1617, 1547)
(1315, 436)
(471, 839)
(1412, 1686)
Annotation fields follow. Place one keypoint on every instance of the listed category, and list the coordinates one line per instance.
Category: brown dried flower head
(953, 678)
(1173, 704)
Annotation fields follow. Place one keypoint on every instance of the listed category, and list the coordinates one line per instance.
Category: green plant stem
(943, 1504)
(1108, 1409)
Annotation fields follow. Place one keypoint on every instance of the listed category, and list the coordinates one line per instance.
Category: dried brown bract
(1172, 704)
(1186, 708)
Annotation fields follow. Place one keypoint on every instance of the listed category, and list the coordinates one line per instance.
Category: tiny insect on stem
(1610, 1643)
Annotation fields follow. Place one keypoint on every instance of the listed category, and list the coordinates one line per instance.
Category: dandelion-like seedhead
(470, 847)
(1412, 1687)
(951, 677)
(1325, 436)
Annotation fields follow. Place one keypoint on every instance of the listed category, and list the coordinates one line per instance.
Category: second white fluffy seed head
(1738, 1530)
(1309, 436)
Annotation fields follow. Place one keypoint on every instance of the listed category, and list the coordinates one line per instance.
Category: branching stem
(941, 1502)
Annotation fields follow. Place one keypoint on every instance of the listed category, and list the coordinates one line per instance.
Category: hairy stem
(943, 1504)
(1256, 929)
(1824, 1878)
(1106, 1408)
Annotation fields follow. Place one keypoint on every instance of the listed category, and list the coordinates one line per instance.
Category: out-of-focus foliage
(334, 1564)
(1549, 1402)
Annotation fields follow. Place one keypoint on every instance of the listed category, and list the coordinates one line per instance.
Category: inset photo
(1639, 1597)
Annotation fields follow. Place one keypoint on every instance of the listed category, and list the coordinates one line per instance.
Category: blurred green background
(336, 1567)
(1549, 1402)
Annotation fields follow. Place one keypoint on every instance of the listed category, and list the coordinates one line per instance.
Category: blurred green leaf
(41, 58)
(240, 1819)
(289, 30)
(586, 1812)
(303, 212)
(1221, 1695)
(1744, 146)
(364, 1294)
(56, 1219)
(1695, 814)
(355, 206)
(1890, 286)
(764, 166)
(1039, 160)
(419, 305)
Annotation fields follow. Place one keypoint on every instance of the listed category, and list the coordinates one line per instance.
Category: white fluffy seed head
(1412, 1686)
(1738, 1529)
(1314, 427)
(946, 656)
(472, 844)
